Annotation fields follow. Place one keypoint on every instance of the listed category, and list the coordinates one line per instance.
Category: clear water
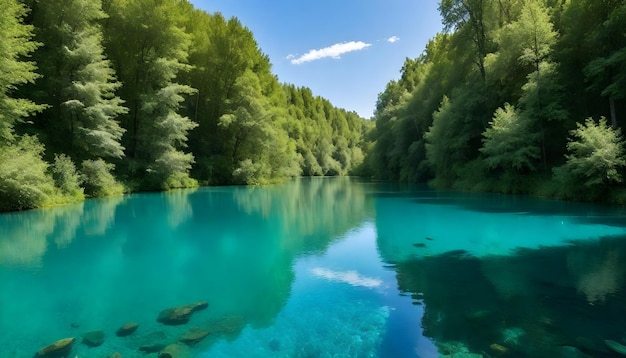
(318, 268)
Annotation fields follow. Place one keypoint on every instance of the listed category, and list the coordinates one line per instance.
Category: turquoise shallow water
(318, 268)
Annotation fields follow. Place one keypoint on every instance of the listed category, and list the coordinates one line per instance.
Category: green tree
(260, 151)
(15, 44)
(97, 179)
(540, 101)
(149, 47)
(469, 17)
(24, 179)
(596, 157)
(455, 136)
(509, 142)
(78, 81)
(66, 177)
(607, 72)
(223, 50)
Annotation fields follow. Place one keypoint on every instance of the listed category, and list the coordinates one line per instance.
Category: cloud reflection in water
(350, 277)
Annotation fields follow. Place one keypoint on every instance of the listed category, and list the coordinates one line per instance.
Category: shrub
(24, 180)
(596, 154)
(66, 178)
(98, 180)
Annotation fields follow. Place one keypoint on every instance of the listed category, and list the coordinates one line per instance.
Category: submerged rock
(175, 351)
(127, 329)
(152, 342)
(615, 347)
(174, 316)
(194, 335)
(153, 348)
(115, 355)
(93, 338)
(60, 348)
(419, 244)
(499, 349)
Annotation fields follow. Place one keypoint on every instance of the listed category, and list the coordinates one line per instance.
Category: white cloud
(393, 39)
(335, 51)
(350, 277)
(290, 57)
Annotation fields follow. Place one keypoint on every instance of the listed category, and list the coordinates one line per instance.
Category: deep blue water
(318, 268)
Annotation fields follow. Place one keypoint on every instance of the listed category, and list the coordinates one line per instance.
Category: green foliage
(596, 155)
(152, 35)
(505, 133)
(167, 92)
(78, 81)
(509, 143)
(15, 44)
(328, 140)
(97, 179)
(454, 137)
(66, 178)
(24, 179)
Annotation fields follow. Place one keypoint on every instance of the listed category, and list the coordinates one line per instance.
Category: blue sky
(344, 50)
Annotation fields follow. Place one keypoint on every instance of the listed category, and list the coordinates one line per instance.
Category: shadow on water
(547, 302)
(492, 203)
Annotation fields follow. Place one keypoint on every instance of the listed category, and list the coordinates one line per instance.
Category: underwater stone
(615, 347)
(93, 338)
(153, 348)
(127, 329)
(116, 355)
(60, 348)
(175, 351)
(498, 348)
(174, 316)
(194, 335)
(151, 342)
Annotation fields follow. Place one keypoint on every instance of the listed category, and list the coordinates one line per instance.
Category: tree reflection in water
(542, 302)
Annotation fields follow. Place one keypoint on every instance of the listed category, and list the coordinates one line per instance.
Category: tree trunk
(613, 115)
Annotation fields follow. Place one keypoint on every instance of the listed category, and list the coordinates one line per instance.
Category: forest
(514, 96)
(104, 97)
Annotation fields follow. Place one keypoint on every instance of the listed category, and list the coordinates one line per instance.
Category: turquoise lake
(333, 267)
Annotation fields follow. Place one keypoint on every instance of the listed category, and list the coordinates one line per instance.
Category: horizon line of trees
(515, 96)
(101, 97)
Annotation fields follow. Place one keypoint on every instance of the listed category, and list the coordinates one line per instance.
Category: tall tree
(469, 16)
(15, 45)
(24, 180)
(78, 81)
(149, 47)
(607, 72)
(260, 150)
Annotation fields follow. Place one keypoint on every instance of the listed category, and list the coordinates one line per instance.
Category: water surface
(318, 268)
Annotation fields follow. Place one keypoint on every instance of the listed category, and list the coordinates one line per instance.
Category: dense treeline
(514, 96)
(98, 97)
